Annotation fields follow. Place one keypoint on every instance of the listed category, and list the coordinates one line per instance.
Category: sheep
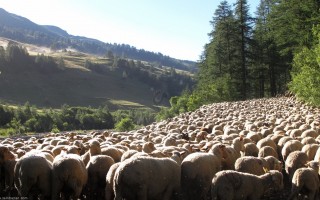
(8, 171)
(97, 169)
(308, 140)
(252, 165)
(305, 181)
(197, 171)
(69, 176)
(267, 151)
(295, 133)
(282, 142)
(251, 149)
(266, 142)
(74, 149)
(317, 155)
(32, 176)
(128, 154)
(148, 147)
(290, 146)
(147, 178)
(113, 152)
(109, 194)
(310, 150)
(274, 163)
(94, 149)
(231, 184)
(295, 160)
(6, 156)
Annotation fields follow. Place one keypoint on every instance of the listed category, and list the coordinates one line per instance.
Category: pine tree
(244, 28)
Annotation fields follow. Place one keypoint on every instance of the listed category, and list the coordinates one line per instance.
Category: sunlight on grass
(125, 103)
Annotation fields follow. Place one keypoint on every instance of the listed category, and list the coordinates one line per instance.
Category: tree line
(259, 56)
(16, 58)
(28, 118)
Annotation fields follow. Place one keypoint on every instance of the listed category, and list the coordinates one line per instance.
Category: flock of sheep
(231, 150)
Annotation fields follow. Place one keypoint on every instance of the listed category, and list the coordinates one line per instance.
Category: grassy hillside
(76, 84)
(73, 87)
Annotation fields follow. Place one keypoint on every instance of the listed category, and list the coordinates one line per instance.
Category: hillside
(83, 79)
(23, 30)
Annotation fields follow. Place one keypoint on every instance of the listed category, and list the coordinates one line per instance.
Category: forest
(269, 54)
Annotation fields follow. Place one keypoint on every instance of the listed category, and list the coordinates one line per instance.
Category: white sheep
(197, 171)
(147, 178)
(229, 185)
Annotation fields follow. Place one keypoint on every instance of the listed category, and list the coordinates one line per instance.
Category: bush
(126, 124)
(7, 132)
(306, 73)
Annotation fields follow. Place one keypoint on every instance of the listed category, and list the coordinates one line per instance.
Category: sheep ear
(266, 170)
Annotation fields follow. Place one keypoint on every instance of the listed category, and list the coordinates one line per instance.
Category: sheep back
(252, 165)
(33, 171)
(305, 181)
(229, 184)
(69, 175)
(197, 171)
(147, 178)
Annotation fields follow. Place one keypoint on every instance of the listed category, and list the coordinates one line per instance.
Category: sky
(177, 28)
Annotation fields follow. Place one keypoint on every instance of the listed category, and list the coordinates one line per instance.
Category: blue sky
(177, 28)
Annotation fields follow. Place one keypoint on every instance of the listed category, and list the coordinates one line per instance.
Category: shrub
(126, 124)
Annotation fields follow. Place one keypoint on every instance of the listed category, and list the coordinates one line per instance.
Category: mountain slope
(23, 30)
(51, 79)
